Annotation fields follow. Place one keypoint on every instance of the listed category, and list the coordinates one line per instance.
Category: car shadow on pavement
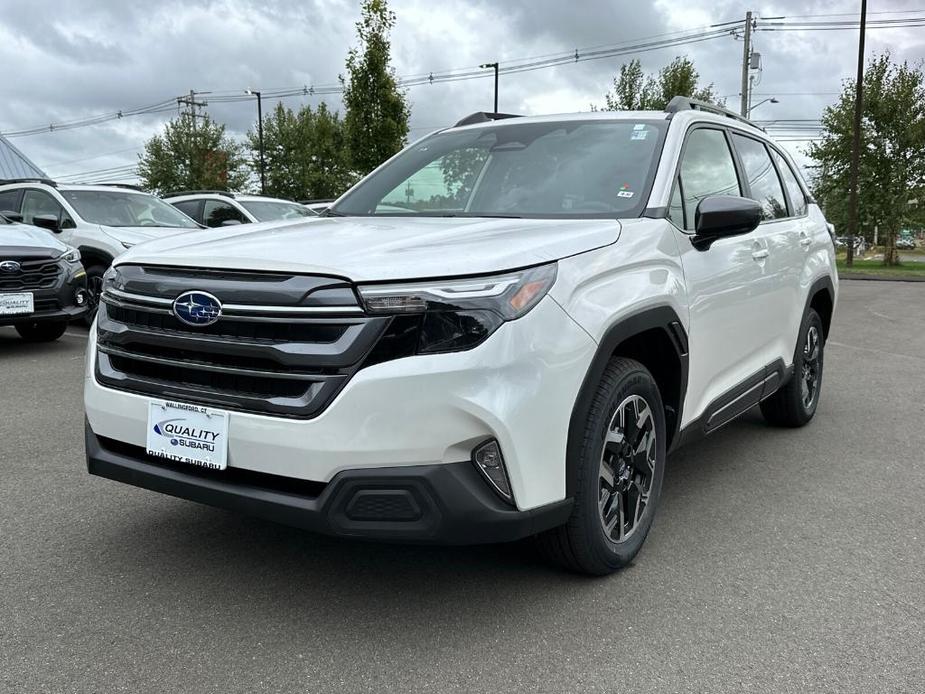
(189, 549)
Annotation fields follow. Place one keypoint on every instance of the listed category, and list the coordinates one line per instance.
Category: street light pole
(263, 176)
(495, 66)
(772, 100)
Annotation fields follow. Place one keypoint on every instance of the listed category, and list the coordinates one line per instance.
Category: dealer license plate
(14, 304)
(189, 434)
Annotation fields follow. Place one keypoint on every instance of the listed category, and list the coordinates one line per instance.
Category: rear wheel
(94, 289)
(620, 469)
(795, 404)
(44, 331)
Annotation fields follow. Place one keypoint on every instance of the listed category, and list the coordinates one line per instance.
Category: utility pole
(746, 59)
(856, 142)
(263, 168)
(192, 112)
(495, 66)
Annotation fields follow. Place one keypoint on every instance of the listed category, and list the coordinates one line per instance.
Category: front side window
(9, 200)
(707, 169)
(581, 169)
(765, 187)
(217, 212)
(37, 203)
(188, 207)
(797, 196)
(272, 210)
(116, 208)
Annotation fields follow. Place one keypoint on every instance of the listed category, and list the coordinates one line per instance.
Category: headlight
(459, 314)
(71, 256)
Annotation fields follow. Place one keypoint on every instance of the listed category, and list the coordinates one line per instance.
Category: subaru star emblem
(197, 308)
(10, 266)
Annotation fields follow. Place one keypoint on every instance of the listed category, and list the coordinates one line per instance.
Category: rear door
(781, 233)
(729, 288)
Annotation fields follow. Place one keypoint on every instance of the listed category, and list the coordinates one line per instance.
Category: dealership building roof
(15, 164)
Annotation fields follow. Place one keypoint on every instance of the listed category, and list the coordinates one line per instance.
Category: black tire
(789, 407)
(42, 331)
(94, 286)
(583, 544)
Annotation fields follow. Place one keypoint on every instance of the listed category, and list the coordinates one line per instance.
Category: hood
(377, 248)
(25, 237)
(135, 235)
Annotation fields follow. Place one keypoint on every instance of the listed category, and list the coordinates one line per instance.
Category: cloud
(68, 59)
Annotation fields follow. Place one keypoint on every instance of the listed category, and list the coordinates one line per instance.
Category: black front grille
(33, 274)
(251, 360)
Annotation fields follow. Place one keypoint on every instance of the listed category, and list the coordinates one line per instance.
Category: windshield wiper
(487, 216)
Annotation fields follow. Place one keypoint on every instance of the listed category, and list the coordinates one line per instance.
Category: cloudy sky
(63, 60)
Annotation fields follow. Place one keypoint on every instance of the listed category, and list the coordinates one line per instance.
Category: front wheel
(795, 404)
(44, 331)
(621, 465)
(94, 289)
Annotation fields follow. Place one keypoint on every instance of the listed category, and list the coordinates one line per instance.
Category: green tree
(305, 153)
(193, 153)
(376, 119)
(891, 180)
(634, 91)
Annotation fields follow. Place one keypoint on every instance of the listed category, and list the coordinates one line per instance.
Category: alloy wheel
(627, 468)
(809, 377)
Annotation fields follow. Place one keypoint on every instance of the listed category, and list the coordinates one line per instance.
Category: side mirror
(47, 221)
(720, 216)
(10, 215)
(230, 223)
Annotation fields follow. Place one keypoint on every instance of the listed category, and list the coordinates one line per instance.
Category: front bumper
(518, 387)
(446, 504)
(54, 304)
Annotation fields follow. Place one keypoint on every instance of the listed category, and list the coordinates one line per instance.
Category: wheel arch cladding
(92, 256)
(821, 297)
(655, 338)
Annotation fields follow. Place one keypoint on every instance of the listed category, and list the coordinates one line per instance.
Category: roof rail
(484, 117)
(686, 103)
(178, 193)
(129, 186)
(46, 181)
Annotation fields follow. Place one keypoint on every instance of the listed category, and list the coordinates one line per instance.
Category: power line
(577, 55)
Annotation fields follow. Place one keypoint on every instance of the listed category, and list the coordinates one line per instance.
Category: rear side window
(707, 169)
(215, 212)
(763, 182)
(797, 196)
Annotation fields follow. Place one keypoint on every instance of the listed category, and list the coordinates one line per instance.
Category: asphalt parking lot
(780, 561)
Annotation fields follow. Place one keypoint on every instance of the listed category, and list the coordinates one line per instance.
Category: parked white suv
(499, 333)
(102, 222)
(219, 208)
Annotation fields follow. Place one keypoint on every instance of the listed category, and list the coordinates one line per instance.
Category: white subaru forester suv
(499, 333)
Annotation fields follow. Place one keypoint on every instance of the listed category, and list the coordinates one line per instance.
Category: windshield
(271, 211)
(115, 208)
(571, 169)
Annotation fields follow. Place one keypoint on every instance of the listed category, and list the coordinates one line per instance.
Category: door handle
(761, 255)
(805, 240)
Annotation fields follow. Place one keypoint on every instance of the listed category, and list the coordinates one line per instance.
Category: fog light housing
(80, 297)
(489, 461)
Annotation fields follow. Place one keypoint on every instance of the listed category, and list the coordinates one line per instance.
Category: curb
(877, 278)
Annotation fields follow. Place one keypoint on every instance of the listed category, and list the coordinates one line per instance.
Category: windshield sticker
(639, 126)
(639, 134)
(625, 194)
